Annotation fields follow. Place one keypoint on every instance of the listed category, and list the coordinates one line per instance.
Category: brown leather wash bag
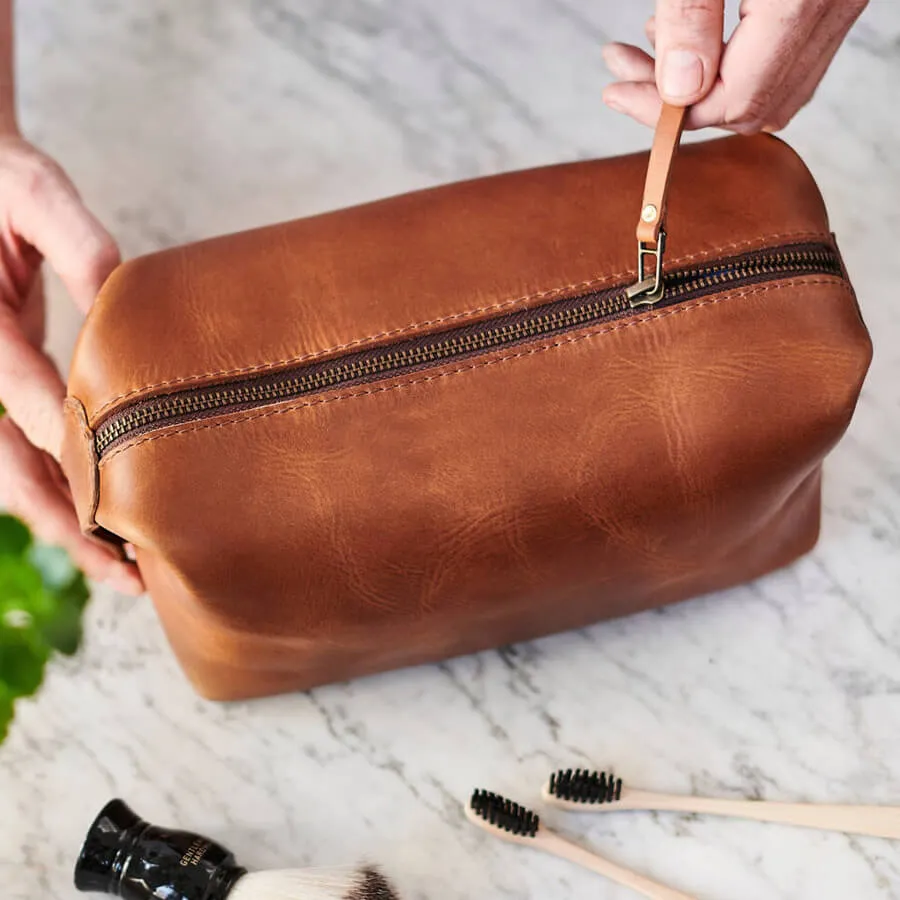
(441, 422)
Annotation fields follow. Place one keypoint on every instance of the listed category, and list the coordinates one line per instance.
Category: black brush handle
(126, 857)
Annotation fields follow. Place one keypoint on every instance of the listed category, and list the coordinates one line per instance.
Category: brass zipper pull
(651, 235)
(648, 290)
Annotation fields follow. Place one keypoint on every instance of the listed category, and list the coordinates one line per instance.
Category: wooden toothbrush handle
(553, 843)
(875, 821)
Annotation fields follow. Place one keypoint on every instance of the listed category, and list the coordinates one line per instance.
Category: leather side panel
(227, 664)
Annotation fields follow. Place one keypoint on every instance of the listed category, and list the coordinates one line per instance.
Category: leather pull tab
(79, 463)
(665, 143)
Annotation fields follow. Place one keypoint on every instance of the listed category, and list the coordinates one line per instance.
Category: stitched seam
(505, 304)
(394, 332)
(632, 323)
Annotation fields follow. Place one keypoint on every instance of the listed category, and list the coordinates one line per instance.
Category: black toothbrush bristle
(505, 814)
(584, 786)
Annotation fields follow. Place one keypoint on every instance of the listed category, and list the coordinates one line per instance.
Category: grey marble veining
(180, 120)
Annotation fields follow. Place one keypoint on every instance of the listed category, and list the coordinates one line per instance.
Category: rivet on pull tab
(648, 290)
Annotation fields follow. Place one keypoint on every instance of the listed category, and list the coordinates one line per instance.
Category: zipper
(426, 351)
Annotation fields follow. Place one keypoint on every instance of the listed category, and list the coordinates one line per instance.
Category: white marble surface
(179, 120)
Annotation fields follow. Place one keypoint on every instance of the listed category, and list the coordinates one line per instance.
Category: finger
(796, 95)
(628, 63)
(638, 99)
(641, 101)
(54, 473)
(755, 62)
(32, 317)
(650, 29)
(27, 491)
(30, 387)
(688, 48)
(19, 262)
(46, 211)
(810, 68)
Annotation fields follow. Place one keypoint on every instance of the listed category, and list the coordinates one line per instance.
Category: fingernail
(682, 74)
(125, 582)
(614, 105)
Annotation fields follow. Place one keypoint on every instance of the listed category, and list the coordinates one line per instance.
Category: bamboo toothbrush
(124, 856)
(518, 825)
(585, 791)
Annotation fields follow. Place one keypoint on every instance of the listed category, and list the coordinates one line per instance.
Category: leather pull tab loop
(79, 462)
(665, 143)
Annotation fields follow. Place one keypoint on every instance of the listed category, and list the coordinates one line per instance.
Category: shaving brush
(124, 856)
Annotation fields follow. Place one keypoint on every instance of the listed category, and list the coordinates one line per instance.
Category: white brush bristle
(314, 884)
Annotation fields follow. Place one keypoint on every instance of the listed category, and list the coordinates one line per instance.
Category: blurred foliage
(42, 597)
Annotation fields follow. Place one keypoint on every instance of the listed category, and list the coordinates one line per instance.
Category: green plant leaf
(76, 592)
(67, 592)
(42, 597)
(15, 538)
(23, 591)
(23, 655)
(62, 630)
(53, 564)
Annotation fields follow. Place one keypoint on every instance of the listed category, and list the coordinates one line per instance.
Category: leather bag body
(315, 493)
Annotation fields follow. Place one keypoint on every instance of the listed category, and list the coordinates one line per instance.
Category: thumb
(688, 48)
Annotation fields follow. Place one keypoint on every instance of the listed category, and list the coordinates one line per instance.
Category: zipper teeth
(769, 263)
(484, 336)
(177, 405)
